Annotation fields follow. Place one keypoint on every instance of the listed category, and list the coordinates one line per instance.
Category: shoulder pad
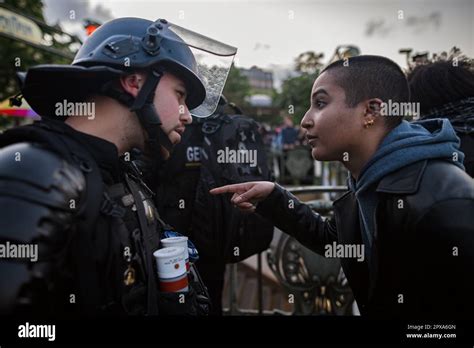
(34, 165)
(37, 187)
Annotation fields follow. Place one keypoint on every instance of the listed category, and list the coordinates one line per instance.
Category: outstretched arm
(284, 210)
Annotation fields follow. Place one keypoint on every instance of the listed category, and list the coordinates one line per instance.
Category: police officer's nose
(185, 116)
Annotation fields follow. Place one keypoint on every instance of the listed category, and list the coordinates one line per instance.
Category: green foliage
(308, 62)
(19, 56)
(294, 98)
(237, 87)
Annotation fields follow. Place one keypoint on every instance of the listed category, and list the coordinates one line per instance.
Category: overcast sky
(271, 33)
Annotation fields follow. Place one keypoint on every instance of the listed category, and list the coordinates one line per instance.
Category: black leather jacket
(423, 264)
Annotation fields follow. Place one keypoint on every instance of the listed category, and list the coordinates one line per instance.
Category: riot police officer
(67, 184)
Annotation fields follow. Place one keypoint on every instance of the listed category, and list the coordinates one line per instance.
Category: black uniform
(89, 212)
(93, 220)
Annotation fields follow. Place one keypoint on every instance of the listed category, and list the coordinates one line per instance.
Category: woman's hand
(246, 195)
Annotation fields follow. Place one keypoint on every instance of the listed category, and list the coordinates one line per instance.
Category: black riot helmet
(126, 45)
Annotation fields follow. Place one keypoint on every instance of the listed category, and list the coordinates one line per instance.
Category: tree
(19, 56)
(13, 51)
(237, 87)
(308, 62)
(294, 98)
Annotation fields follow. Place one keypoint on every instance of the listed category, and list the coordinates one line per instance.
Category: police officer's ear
(132, 83)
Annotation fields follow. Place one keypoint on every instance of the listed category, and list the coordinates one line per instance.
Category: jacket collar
(405, 180)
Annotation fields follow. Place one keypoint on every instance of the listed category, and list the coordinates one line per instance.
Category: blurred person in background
(445, 89)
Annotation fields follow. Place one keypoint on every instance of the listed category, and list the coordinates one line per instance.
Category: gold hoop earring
(368, 123)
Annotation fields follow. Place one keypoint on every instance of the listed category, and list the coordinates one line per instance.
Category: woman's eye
(319, 104)
(181, 94)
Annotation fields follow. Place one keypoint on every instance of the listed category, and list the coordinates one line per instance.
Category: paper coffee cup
(178, 242)
(171, 269)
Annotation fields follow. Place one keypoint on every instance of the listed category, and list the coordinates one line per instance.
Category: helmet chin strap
(145, 109)
(146, 112)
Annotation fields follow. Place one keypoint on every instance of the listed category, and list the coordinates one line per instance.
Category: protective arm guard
(40, 197)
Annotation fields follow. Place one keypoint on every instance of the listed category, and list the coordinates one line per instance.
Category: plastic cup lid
(168, 252)
(175, 239)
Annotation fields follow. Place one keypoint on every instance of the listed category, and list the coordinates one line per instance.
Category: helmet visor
(214, 60)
